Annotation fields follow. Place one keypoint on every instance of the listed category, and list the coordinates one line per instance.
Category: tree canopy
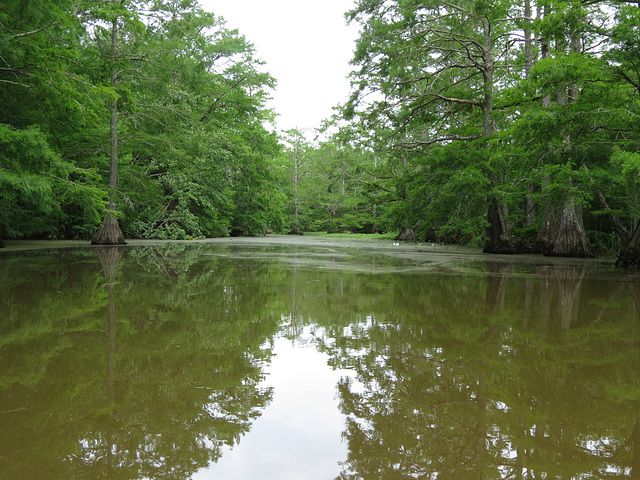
(152, 110)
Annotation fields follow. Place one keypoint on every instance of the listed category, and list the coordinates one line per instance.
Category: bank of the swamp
(416, 253)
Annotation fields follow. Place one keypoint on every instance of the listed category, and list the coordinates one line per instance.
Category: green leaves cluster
(191, 120)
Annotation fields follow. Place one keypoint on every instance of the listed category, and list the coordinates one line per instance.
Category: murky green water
(285, 358)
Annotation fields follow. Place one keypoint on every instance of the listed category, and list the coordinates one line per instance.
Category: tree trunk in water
(407, 234)
(500, 239)
(546, 234)
(110, 233)
(1, 243)
(570, 239)
(630, 255)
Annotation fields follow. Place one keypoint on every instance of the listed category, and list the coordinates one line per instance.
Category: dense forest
(511, 126)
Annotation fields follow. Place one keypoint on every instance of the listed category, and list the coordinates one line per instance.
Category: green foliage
(192, 146)
(465, 112)
(36, 186)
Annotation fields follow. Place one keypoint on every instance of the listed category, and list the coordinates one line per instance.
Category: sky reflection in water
(299, 433)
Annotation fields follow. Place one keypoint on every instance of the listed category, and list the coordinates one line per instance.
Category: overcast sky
(307, 47)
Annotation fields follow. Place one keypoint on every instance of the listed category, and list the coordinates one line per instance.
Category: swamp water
(295, 358)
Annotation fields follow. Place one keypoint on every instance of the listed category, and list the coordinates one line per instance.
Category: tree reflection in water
(500, 393)
(164, 397)
(464, 370)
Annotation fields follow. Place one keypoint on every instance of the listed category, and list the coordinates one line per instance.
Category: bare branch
(33, 32)
(422, 143)
(217, 100)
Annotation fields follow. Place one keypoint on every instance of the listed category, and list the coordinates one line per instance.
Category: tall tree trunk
(547, 232)
(110, 233)
(529, 203)
(296, 182)
(406, 234)
(630, 255)
(499, 238)
(528, 42)
(545, 52)
(571, 238)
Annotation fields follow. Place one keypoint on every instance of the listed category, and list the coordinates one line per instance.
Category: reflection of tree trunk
(111, 322)
(111, 362)
(496, 286)
(569, 281)
(529, 293)
(520, 453)
(294, 297)
(546, 296)
(110, 257)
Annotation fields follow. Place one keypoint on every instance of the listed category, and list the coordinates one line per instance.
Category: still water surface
(289, 358)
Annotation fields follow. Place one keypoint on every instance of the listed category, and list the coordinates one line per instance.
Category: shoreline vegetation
(519, 135)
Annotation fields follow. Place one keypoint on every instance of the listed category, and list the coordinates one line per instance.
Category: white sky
(307, 47)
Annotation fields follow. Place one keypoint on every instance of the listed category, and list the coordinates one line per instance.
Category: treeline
(512, 126)
(147, 114)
